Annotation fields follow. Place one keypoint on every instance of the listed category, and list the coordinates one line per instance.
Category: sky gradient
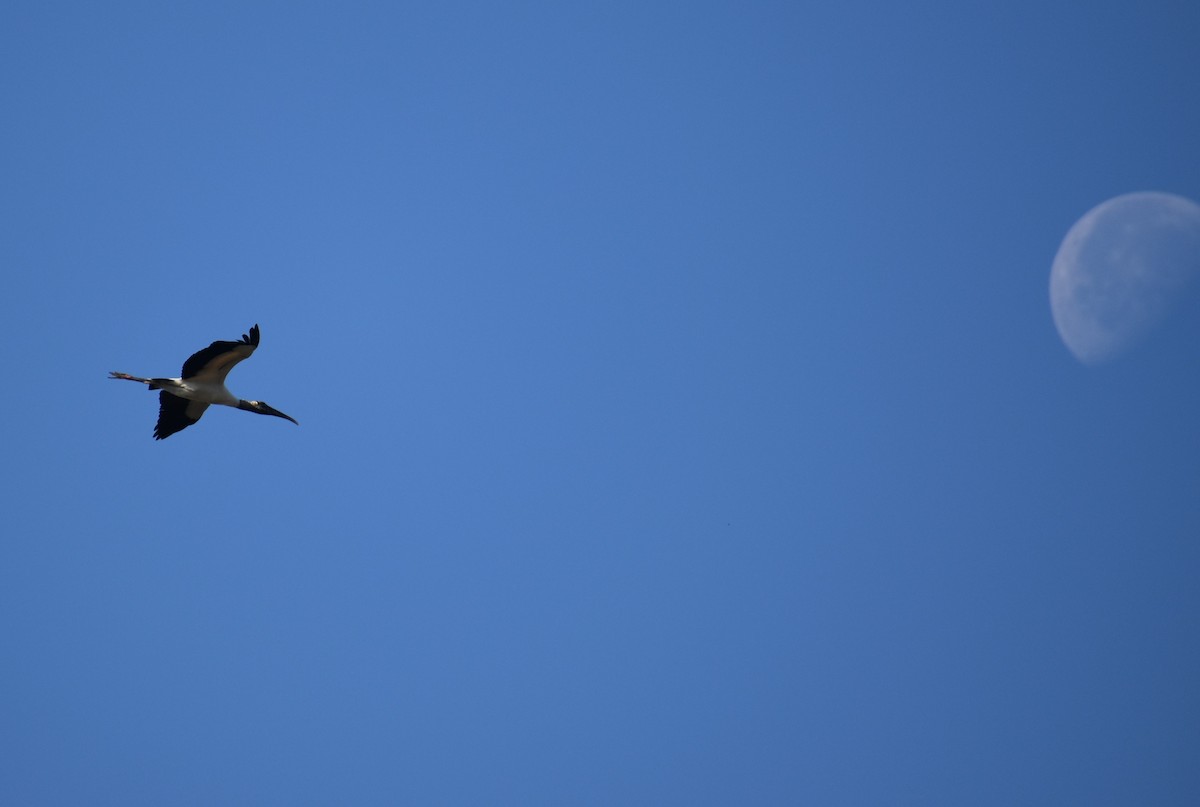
(682, 419)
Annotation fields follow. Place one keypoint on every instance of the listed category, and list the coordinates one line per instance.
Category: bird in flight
(181, 401)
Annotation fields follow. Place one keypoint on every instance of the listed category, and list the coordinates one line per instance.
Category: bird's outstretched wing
(215, 361)
(175, 414)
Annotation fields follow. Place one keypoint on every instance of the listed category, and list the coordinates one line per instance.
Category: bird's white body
(209, 392)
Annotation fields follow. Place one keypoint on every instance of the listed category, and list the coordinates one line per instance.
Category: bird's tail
(128, 377)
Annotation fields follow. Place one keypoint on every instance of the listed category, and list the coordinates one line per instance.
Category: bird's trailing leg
(128, 377)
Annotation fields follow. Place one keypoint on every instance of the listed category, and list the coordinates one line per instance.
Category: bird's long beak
(267, 410)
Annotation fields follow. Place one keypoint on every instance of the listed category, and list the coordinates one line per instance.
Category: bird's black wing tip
(252, 337)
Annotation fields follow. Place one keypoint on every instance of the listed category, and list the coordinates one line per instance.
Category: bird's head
(263, 409)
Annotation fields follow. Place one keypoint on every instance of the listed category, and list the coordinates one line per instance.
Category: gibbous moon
(1120, 271)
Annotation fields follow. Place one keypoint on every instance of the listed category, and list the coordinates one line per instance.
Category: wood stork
(183, 400)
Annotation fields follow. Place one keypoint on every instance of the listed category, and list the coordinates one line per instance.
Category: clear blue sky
(682, 421)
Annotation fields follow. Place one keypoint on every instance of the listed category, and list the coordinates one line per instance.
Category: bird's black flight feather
(197, 360)
(172, 415)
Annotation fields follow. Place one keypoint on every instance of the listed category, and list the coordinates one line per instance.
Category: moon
(1121, 270)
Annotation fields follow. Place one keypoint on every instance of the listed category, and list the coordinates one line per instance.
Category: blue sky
(682, 420)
